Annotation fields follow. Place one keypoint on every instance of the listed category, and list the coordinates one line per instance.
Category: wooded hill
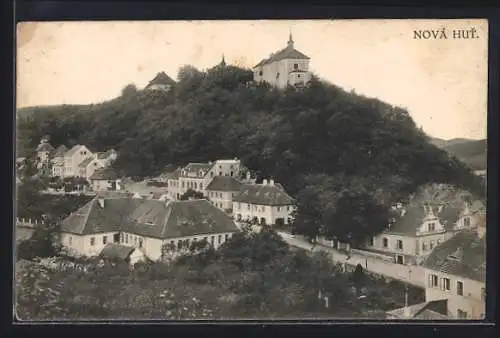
(471, 152)
(322, 143)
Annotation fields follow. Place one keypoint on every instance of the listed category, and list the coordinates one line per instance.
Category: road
(414, 275)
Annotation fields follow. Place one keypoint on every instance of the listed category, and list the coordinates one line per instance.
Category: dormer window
(432, 227)
(295, 66)
(467, 221)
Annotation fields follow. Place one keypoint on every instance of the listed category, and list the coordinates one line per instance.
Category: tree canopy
(319, 141)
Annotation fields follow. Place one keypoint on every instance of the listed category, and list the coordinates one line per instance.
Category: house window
(135, 240)
(279, 209)
(400, 244)
(92, 241)
(104, 239)
(298, 75)
(445, 284)
(122, 239)
(295, 66)
(179, 244)
(431, 245)
(460, 288)
(438, 242)
(372, 241)
(201, 186)
(467, 221)
(424, 246)
(212, 239)
(220, 239)
(260, 73)
(126, 238)
(248, 205)
(434, 281)
(461, 314)
(70, 240)
(226, 237)
(196, 185)
(432, 227)
(385, 242)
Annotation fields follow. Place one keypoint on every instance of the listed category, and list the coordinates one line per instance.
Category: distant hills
(471, 152)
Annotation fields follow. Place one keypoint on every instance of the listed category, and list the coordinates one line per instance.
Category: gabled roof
(410, 222)
(196, 167)
(60, 151)
(286, 53)
(86, 162)
(433, 310)
(92, 218)
(161, 79)
(74, 149)
(263, 194)
(462, 255)
(112, 250)
(224, 183)
(149, 218)
(174, 175)
(104, 174)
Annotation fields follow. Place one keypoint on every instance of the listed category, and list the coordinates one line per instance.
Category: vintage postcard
(270, 170)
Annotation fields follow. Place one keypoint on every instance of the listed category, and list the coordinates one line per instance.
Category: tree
(129, 90)
(358, 277)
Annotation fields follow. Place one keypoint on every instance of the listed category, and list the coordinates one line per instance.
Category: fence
(28, 222)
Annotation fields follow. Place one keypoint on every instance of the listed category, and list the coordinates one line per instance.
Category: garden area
(252, 276)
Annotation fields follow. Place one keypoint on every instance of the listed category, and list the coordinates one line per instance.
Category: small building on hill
(286, 67)
(161, 82)
(267, 204)
(152, 226)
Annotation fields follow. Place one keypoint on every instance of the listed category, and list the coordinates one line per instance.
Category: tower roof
(286, 53)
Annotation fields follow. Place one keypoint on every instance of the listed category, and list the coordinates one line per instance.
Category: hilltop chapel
(285, 67)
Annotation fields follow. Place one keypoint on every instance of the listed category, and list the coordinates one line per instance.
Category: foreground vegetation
(344, 157)
(252, 276)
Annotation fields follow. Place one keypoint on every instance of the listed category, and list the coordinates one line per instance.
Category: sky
(442, 82)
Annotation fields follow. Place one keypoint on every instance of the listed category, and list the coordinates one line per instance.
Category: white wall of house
(471, 300)
(247, 212)
(173, 189)
(88, 245)
(269, 72)
(136, 256)
(221, 199)
(71, 162)
(103, 185)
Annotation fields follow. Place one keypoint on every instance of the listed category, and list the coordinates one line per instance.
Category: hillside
(319, 142)
(471, 152)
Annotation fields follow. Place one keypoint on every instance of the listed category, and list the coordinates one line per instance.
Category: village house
(418, 228)
(456, 271)
(197, 176)
(89, 166)
(43, 152)
(152, 226)
(267, 204)
(221, 190)
(58, 160)
(285, 67)
(161, 82)
(108, 157)
(105, 179)
(72, 158)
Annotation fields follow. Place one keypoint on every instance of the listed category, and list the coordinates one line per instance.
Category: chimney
(100, 200)
(264, 182)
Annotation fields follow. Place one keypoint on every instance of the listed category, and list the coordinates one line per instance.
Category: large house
(265, 203)
(221, 190)
(155, 227)
(418, 228)
(456, 271)
(43, 151)
(197, 176)
(285, 67)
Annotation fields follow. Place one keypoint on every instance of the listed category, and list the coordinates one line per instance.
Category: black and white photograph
(231, 170)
